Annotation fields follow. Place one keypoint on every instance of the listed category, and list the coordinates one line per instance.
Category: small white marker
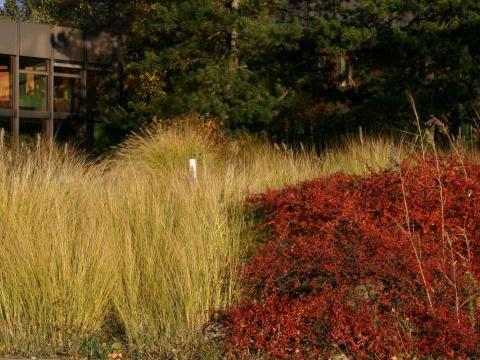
(192, 169)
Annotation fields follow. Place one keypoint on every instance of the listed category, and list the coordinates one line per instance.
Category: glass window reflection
(5, 82)
(33, 92)
(67, 94)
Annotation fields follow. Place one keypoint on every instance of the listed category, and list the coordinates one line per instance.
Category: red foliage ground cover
(348, 268)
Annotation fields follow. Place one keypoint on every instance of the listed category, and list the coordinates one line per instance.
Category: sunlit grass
(55, 257)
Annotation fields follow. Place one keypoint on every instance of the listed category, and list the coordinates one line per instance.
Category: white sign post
(192, 169)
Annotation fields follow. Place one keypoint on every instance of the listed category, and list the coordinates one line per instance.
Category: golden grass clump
(55, 257)
(355, 158)
(135, 234)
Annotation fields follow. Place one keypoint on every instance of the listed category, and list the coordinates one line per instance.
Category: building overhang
(59, 43)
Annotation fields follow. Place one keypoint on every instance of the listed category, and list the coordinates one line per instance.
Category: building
(52, 76)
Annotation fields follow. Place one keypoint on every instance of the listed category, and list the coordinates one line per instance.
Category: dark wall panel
(8, 37)
(102, 49)
(35, 40)
(68, 44)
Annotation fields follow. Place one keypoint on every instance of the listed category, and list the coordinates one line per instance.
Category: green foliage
(34, 10)
(426, 47)
(278, 68)
(188, 42)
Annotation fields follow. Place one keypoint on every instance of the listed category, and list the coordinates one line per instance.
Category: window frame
(35, 72)
(35, 113)
(70, 66)
(8, 111)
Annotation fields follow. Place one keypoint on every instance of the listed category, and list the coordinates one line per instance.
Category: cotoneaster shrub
(370, 268)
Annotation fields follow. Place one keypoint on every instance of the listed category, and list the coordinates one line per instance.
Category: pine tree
(203, 52)
(425, 47)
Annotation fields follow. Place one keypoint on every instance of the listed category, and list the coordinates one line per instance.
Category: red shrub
(370, 267)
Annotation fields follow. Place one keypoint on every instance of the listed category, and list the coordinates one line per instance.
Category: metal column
(83, 102)
(48, 124)
(15, 121)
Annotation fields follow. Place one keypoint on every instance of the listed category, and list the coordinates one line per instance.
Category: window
(31, 127)
(33, 64)
(5, 125)
(66, 130)
(67, 86)
(5, 82)
(33, 92)
(100, 90)
(68, 70)
(67, 95)
(33, 84)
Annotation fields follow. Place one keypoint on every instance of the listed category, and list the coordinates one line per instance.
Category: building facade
(51, 78)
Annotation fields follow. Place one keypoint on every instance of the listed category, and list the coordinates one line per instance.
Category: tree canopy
(296, 69)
